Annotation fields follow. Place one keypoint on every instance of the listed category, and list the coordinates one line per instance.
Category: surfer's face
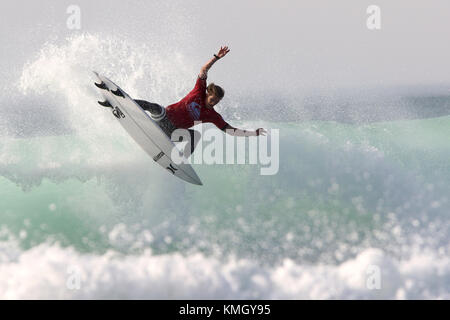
(211, 100)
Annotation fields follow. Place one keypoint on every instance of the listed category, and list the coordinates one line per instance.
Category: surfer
(196, 106)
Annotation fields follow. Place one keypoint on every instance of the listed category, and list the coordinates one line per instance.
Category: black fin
(105, 103)
(101, 85)
(118, 93)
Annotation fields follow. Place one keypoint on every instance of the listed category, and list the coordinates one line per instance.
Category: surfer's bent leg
(154, 108)
(159, 115)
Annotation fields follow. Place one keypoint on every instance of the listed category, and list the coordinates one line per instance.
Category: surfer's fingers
(262, 131)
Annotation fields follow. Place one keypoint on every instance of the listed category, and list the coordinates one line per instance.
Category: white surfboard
(144, 130)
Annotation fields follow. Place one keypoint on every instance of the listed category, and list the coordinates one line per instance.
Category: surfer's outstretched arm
(204, 70)
(243, 133)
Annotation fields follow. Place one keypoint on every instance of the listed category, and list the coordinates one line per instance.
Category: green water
(339, 188)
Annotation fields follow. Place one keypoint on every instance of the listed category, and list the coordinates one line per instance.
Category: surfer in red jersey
(196, 106)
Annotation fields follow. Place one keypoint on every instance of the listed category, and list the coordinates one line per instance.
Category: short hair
(215, 90)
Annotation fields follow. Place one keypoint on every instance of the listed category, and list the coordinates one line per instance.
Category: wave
(64, 273)
(77, 191)
(338, 189)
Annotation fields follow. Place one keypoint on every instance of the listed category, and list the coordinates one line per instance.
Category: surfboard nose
(193, 177)
(198, 182)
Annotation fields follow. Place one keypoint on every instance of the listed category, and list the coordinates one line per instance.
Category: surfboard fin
(118, 93)
(101, 85)
(105, 104)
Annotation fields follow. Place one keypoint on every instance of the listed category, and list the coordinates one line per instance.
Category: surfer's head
(213, 95)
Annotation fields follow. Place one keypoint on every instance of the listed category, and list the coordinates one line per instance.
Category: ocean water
(80, 200)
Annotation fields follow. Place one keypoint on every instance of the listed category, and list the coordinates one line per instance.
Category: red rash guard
(192, 108)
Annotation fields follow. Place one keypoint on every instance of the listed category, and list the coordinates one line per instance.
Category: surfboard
(143, 129)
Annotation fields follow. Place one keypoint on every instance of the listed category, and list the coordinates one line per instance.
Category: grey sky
(284, 44)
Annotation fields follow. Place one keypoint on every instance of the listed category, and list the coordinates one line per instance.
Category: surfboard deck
(143, 129)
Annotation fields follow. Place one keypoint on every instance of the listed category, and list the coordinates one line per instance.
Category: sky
(286, 45)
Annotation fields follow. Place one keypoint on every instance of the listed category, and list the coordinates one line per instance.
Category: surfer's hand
(260, 132)
(204, 71)
(223, 51)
